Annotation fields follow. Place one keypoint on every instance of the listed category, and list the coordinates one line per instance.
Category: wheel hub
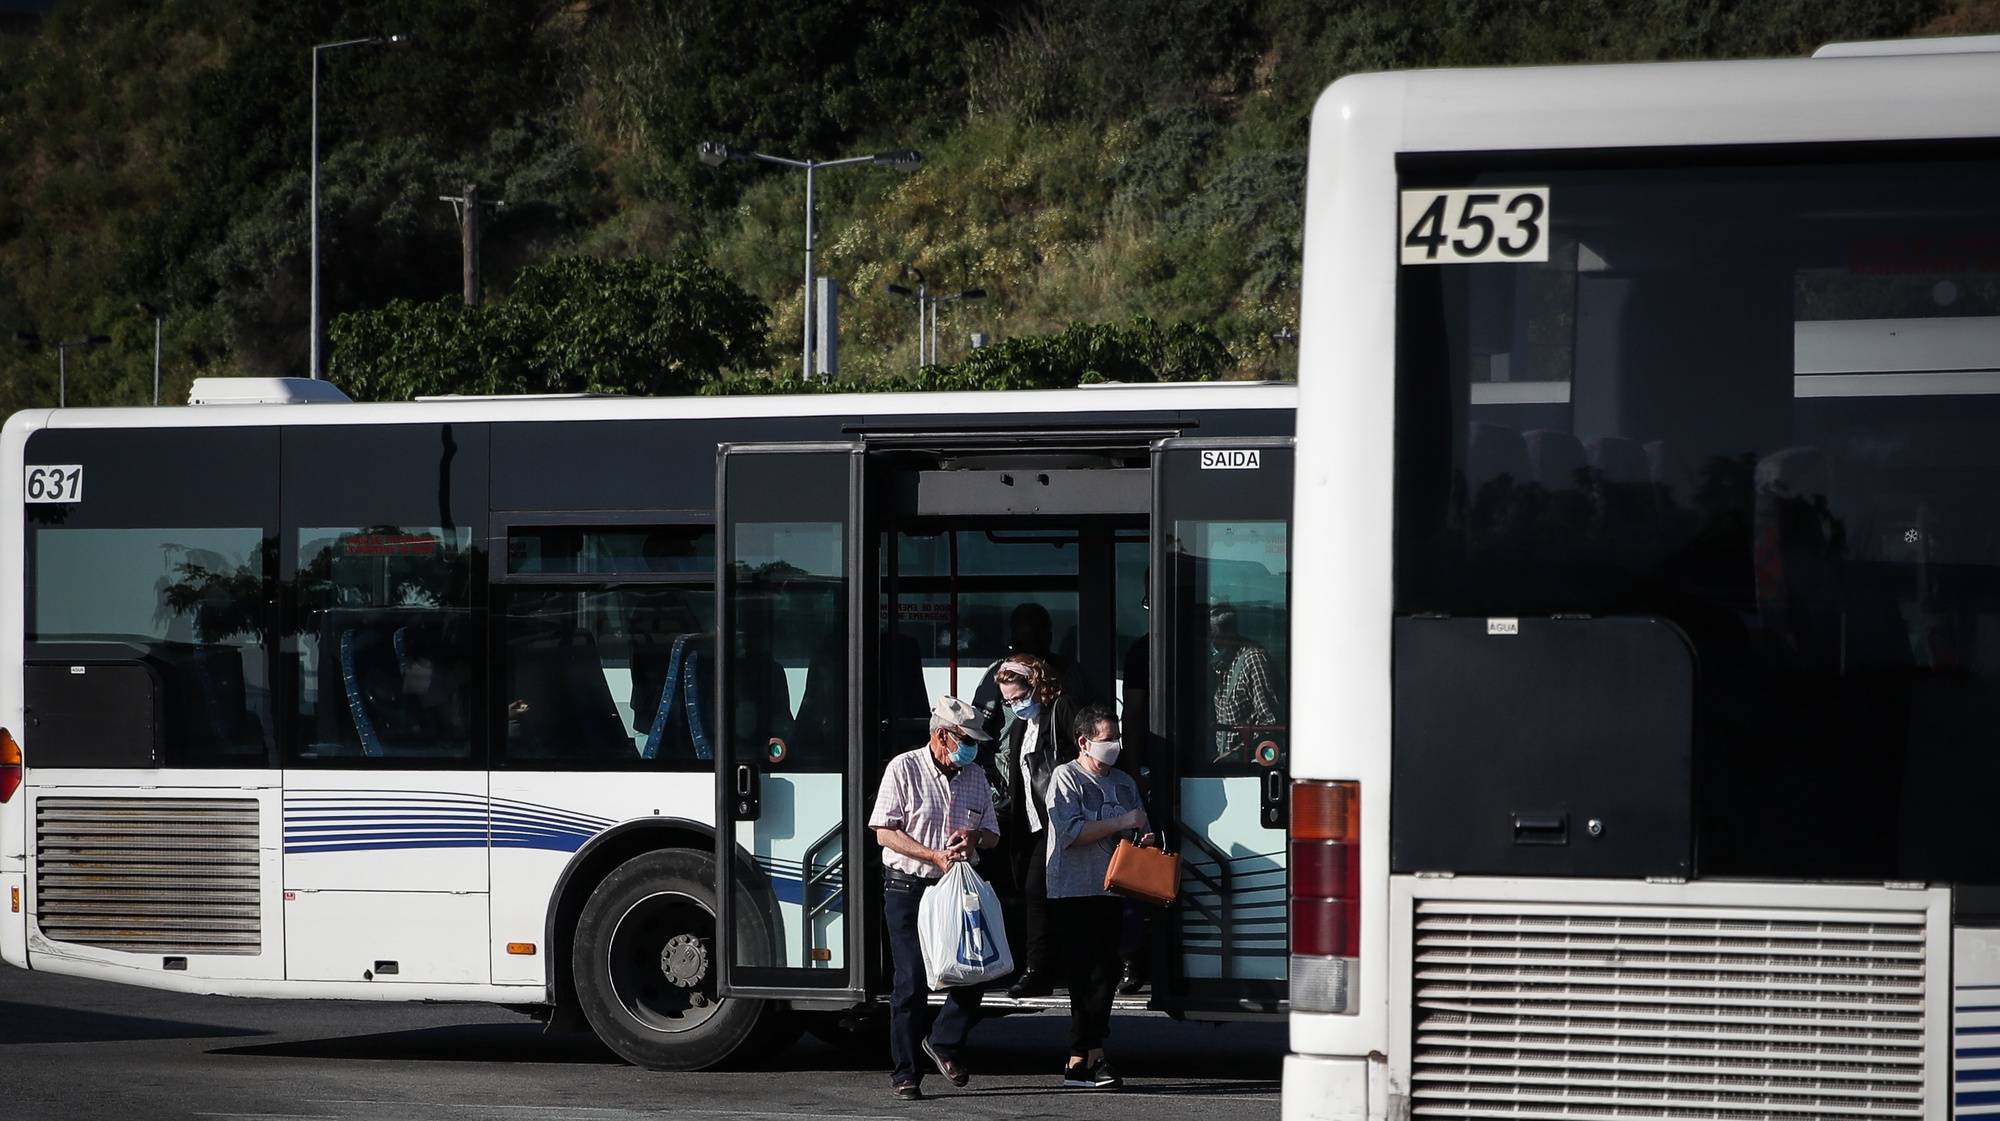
(684, 961)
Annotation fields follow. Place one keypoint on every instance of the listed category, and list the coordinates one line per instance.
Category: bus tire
(645, 970)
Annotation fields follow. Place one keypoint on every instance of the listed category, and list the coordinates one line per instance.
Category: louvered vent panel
(149, 875)
(1588, 1013)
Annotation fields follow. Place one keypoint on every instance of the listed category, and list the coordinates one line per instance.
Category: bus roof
(1177, 396)
(1669, 104)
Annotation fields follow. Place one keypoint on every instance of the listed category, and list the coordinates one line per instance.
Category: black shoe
(1133, 980)
(953, 1071)
(1077, 1076)
(1103, 1077)
(909, 1092)
(1032, 982)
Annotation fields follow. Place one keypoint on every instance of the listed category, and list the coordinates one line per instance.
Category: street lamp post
(62, 357)
(314, 325)
(715, 154)
(927, 306)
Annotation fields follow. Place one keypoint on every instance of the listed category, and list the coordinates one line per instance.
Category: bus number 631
(55, 483)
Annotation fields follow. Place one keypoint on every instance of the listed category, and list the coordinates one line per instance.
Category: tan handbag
(1147, 874)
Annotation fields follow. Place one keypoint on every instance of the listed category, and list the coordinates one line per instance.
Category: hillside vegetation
(1122, 177)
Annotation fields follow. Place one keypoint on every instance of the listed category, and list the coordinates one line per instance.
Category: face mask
(965, 753)
(1027, 708)
(1105, 751)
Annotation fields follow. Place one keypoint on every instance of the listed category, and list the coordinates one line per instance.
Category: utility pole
(466, 208)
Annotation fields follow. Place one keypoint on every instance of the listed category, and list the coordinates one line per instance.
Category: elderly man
(934, 810)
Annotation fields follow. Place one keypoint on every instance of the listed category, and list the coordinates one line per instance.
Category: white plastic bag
(961, 932)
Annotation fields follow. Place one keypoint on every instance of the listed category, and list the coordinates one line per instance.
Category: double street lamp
(714, 155)
(389, 39)
(927, 306)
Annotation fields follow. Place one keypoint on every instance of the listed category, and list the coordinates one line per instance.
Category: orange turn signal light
(14, 899)
(1326, 811)
(10, 765)
(521, 949)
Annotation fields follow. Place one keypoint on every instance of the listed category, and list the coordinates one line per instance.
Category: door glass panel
(1227, 553)
(788, 697)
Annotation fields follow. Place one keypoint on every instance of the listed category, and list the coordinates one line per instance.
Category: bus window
(1238, 590)
(608, 674)
(193, 601)
(388, 646)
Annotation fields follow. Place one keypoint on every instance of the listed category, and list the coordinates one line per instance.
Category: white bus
(446, 700)
(1649, 485)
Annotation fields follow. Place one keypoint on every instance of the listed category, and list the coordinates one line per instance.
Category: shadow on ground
(41, 1023)
(468, 1043)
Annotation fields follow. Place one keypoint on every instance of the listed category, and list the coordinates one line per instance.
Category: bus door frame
(1171, 991)
(735, 874)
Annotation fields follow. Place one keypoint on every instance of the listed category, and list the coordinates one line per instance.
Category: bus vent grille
(1613, 1012)
(149, 875)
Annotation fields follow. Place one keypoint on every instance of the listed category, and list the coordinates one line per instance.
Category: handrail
(811, 875)
(1224, 885)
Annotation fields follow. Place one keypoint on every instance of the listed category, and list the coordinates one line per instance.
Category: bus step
(1001, 1002)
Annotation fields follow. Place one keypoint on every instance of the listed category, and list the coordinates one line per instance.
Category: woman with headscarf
(1037, 742)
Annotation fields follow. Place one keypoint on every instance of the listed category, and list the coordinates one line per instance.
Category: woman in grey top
(1091, 805)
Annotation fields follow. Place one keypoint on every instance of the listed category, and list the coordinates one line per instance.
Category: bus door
(1220, 713)
(790, 818)
(983, 552)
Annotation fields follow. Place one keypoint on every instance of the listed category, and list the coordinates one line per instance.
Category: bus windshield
(1751, 394)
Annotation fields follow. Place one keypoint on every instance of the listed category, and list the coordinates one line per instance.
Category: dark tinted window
(611, 550)
(611, 678)
(387, 633)
(1746, 398)
(168, 560)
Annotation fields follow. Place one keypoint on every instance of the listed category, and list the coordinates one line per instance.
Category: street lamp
(715, 155)
(159, 319)
(62, 357)
(927, 306)
(314, 326)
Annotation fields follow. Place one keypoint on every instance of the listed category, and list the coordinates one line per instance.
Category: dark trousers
(908, 1006)
(1031, 872)
(1087, 930)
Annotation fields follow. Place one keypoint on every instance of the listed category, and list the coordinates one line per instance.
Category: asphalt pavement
(83, 1051)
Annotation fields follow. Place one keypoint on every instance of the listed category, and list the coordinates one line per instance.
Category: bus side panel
(13, 816)
(554, 814)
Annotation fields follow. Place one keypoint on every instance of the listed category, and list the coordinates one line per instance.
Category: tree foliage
(1087, 161)
(1081, 354)
(570, 325)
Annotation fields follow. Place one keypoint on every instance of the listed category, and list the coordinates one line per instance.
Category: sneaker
(1103, 1077)
(953, 1070)
(1133, 980)
(909, 1092)
(1077, 1076)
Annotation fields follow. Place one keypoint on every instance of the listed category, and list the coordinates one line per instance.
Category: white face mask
(1105, 751)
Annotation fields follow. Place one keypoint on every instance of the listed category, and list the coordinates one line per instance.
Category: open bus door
(795, 569)
(1220, 713)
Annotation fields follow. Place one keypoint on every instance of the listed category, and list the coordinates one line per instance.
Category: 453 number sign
(1476, 226)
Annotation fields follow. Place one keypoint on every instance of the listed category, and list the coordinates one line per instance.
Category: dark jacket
(1057, 747)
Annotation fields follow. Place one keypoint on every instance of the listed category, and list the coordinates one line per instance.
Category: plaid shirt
(1243, 697)
(918, 798)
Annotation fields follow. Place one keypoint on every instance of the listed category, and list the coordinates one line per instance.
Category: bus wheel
(645, 968)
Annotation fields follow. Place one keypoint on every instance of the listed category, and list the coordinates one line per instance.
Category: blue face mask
(1027, 708)
(965, 753)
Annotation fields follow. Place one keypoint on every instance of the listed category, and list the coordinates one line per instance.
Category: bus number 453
(1470, 227)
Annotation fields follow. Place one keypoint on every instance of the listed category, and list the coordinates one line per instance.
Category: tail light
(10, 765)
(1325, 895)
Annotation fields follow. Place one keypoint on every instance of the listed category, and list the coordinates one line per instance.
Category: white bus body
(1431, 1021)
(380, 701)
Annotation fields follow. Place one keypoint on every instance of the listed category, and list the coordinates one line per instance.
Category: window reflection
(194, 601)
(388, 643)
